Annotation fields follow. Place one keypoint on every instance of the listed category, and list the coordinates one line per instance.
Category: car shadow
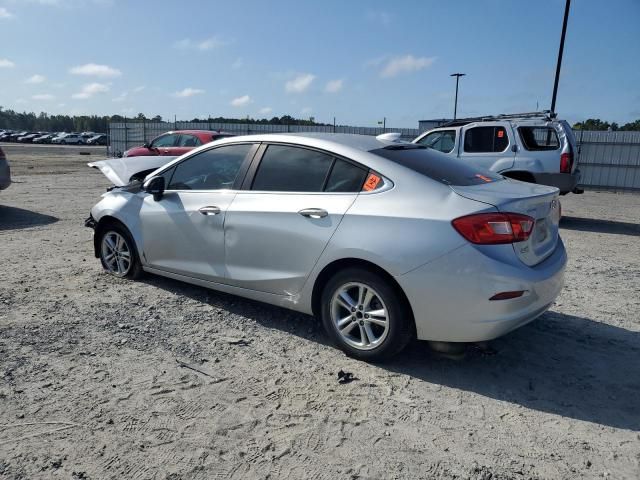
(13, 218)
(560, 364)
(600, 226)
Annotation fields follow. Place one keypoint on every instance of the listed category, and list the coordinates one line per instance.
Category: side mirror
(155, 186)
(146, 145)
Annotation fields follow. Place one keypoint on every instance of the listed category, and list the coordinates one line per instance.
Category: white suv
(533, 147)
(68, 138)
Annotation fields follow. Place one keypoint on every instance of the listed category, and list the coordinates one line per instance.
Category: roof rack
(546, 114)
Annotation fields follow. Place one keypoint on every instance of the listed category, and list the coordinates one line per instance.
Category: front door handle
(313, 212)
(209, 210)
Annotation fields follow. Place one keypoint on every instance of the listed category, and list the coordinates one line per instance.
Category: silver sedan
(381, 239)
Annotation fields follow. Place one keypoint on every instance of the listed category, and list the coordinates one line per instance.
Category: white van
(532, 147)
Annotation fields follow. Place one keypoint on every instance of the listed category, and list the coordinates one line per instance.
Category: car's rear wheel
(365, 314)
(63, 142)
(118, 253)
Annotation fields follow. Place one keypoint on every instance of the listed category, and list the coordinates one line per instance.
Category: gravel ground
(106, 378)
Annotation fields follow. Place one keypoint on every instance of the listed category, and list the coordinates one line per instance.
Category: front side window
(214, 169)
(539, 138)
(165, 141)
(189, 141)
(486, 140)
(292, 169)
(443, 141)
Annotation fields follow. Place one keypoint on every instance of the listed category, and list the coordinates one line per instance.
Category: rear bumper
(450, 296)
(566, 182)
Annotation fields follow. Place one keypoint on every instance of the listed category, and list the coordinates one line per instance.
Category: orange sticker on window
(482, 177)
(500, 133)
(371, 183)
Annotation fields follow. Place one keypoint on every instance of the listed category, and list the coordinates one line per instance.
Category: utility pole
(560, 51)
(455, 102)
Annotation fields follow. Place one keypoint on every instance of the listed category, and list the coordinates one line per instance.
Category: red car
(176, 143)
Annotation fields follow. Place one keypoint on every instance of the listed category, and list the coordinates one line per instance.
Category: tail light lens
(566, 162)
(494, 228)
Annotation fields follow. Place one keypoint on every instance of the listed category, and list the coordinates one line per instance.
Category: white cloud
(21, 100)
(334, 86)
(95, 70)
(139, 89)
(241, 101)
(121, 98)
(188, 92)
(35, 79)
(90, 89)
(201, 45)
(239, 63)
(405, 64)
(300, 83)
(4, 63)
(5, 14)
(265, 111)
(44, 96)
(383, 18)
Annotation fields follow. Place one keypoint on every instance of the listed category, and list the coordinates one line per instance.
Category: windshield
(437, 166)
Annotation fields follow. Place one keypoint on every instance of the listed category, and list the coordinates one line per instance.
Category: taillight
(494, 228)
(566, 162)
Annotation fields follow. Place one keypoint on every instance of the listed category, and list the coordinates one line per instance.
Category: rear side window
(437, 166)
(189, 141)
(292, 169)
(539, 138)
(485, 140)
(345, 177)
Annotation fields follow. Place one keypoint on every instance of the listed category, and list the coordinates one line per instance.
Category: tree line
(10, 119)
(597, 124)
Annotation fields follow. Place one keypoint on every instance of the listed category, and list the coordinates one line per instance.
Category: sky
(358, 61)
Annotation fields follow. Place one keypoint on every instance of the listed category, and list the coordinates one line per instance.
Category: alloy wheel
(116, 254)
(359, 315)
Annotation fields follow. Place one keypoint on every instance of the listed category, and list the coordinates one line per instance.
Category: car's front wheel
(118, 252)
(366, 315)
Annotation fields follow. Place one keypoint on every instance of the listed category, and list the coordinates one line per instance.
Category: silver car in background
(5, 171)
(383, 240)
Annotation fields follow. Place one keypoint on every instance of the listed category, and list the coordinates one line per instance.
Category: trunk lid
(537, 201)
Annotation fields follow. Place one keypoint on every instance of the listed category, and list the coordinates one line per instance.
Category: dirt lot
(91, 385)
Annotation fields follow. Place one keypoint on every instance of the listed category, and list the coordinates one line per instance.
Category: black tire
(135, 267)
(399, 319)
(63, 142)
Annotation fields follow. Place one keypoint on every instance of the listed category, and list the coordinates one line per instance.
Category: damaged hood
(120, 170)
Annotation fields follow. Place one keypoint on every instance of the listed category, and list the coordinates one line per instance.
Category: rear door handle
(313, 212)
(209, 210)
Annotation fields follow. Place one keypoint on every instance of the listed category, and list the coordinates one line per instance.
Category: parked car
(5, 171)
(533, 147)
(44, 138)
(14, 136)
(29, 137)
(382, 240)
(176, 143)
(68, 138)
(100, 139)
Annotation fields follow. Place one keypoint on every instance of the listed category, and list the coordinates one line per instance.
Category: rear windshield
(437, 166)
(539, 138)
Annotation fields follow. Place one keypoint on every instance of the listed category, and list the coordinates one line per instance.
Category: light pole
(455, 103)
(560, 51)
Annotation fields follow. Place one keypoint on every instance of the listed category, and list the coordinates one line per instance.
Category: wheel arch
(332, 268)
(103, 224)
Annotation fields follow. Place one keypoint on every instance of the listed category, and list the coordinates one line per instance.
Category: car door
(164, 144)
(183, 232)
(276, 230)
(487, 145)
